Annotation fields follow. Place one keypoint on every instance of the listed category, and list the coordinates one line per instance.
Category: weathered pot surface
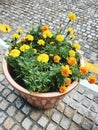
(39, 100)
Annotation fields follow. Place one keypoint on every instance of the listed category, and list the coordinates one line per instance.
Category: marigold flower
(43, 58)
(70, 30)
(30, 37)
(16, 35)
(65, 71)
(5, 28)
(20, 31)
(92, 79)
(62, 89)
(72, 17)
(72, 61)
(47, 33)
(14, 53)
(76, 46)
(67, 82)
(44, 28)
(71, 53)
(41, 42)
(56, 58)
(24, 47)
(73, 36)
(83, 70)
(60, 38)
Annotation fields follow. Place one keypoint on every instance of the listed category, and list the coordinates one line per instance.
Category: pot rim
(25, 91)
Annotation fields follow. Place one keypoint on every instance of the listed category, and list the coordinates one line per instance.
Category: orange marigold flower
(62, 89)
(83, 70)
(72, 61)
(65, 71)
(67, 82)
(44, 28)
(92, 79)
(56, 58)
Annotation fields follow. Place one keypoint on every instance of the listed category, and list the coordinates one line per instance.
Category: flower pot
(39, 100)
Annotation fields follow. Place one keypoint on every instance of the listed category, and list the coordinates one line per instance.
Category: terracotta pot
(39, 100)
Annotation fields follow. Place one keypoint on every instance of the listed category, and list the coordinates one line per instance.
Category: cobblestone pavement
(79, 109)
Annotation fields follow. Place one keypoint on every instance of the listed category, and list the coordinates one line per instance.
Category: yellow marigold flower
(30, 37)
(60, 38)
(35, 51)
(65, 71)
(20, 31)
(5, 28)
(24, 48)
(62, 89)
(44, 28)
(56, 58)
(92, 79)
(43, 58)
(72, 61)
(72, 17)
(68, 82)
(41, 42)
(73, 36)
(47, 33)
(83, 70)
(71, 53)
(52, 43)
(70, 30)
(15, 35)
(76, 46)
(14, 53)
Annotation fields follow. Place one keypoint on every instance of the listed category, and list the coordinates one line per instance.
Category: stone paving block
(87, 124)
(51, 126)
(61, 106)
(77, 118)
(94, 107)
(16, 127)
(3, 116)
(86, 102)
(1, 87)
(8, 123)
(11, 97)
(4, 104)
(43, 121)
(65, 123)
(90, 115)
(35, 114)
(6, 92)
(77, 96)
(19, 102)
(19, 116)
(82, 110)
(36, 127)
(11, 110)
(74, 126)
(27, 123)
(26, 109)
(69, 112)
(57, 116)
(49, 112)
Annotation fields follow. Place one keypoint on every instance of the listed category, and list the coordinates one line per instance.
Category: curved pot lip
(25, 91)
